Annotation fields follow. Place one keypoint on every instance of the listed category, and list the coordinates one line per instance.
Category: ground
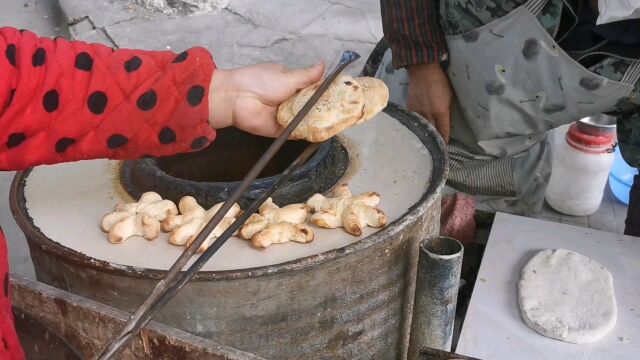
(291, 32)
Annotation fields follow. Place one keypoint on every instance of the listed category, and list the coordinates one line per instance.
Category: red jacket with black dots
(66, 100)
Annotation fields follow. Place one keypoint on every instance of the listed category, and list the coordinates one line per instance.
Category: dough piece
(354, 213)
(282, 232)
(185, 227)
(340, 107)
(275, 225)
(566, 296)
(141, 218)
(376, 97)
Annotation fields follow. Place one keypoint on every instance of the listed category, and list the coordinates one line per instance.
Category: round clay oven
(212, 174)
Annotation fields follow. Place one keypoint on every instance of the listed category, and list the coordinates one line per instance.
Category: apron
(513, 84)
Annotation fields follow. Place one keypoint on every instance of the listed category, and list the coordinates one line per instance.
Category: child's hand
(248, 97)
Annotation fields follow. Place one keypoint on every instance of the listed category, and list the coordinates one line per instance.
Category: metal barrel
(353, 302)
(437, 282)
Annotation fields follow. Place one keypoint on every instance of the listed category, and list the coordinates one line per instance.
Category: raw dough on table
(567, 296)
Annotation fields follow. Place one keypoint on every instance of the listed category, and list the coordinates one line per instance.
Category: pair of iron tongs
(175, 278)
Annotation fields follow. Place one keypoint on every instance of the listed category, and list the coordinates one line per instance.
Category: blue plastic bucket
(621, 178)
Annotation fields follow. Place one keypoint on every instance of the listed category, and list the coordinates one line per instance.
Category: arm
(413, 29)
(68, 100)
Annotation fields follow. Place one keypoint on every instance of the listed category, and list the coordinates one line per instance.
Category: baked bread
(353, 213)
(340, 107)
(140, 218)
(185, 227)
(376, 97)
(275, 225)
(345, 103)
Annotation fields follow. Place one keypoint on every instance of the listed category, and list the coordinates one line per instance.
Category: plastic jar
(580, 169)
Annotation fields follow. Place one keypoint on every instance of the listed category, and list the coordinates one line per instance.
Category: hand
(430, 95)
(248, 97)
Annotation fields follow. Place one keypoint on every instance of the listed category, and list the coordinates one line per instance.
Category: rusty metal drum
(339, 297)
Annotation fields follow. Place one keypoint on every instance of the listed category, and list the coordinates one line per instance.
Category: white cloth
(617, 10)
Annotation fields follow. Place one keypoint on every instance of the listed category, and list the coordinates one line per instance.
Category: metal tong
(175, 278)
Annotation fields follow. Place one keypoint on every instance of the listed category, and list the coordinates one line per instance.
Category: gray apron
(513, 84)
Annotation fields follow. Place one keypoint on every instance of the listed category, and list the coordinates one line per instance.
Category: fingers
(267, 127)
(439, 119)
(442, 123)
(266, 86)
(301, 78)
(435, 113)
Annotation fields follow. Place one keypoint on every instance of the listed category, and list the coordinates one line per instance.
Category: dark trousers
(633, 213)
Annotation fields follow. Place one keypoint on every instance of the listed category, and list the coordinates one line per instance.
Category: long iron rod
(175, 279)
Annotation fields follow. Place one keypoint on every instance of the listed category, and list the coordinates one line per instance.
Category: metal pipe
(437, 282)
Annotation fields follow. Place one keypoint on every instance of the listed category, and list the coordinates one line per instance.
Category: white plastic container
(580, 169)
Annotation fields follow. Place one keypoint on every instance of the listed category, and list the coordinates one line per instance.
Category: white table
(493, 327)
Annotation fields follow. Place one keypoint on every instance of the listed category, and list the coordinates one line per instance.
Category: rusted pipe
(437, 282)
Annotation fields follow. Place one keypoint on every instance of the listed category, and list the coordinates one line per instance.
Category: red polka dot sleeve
(66, 100)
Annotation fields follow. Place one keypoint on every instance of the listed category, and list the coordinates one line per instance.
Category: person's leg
(633, 213)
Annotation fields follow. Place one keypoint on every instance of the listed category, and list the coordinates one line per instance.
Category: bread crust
(376, 97)
(339, 108)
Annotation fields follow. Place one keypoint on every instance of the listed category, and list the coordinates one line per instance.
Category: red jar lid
(579, 137)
